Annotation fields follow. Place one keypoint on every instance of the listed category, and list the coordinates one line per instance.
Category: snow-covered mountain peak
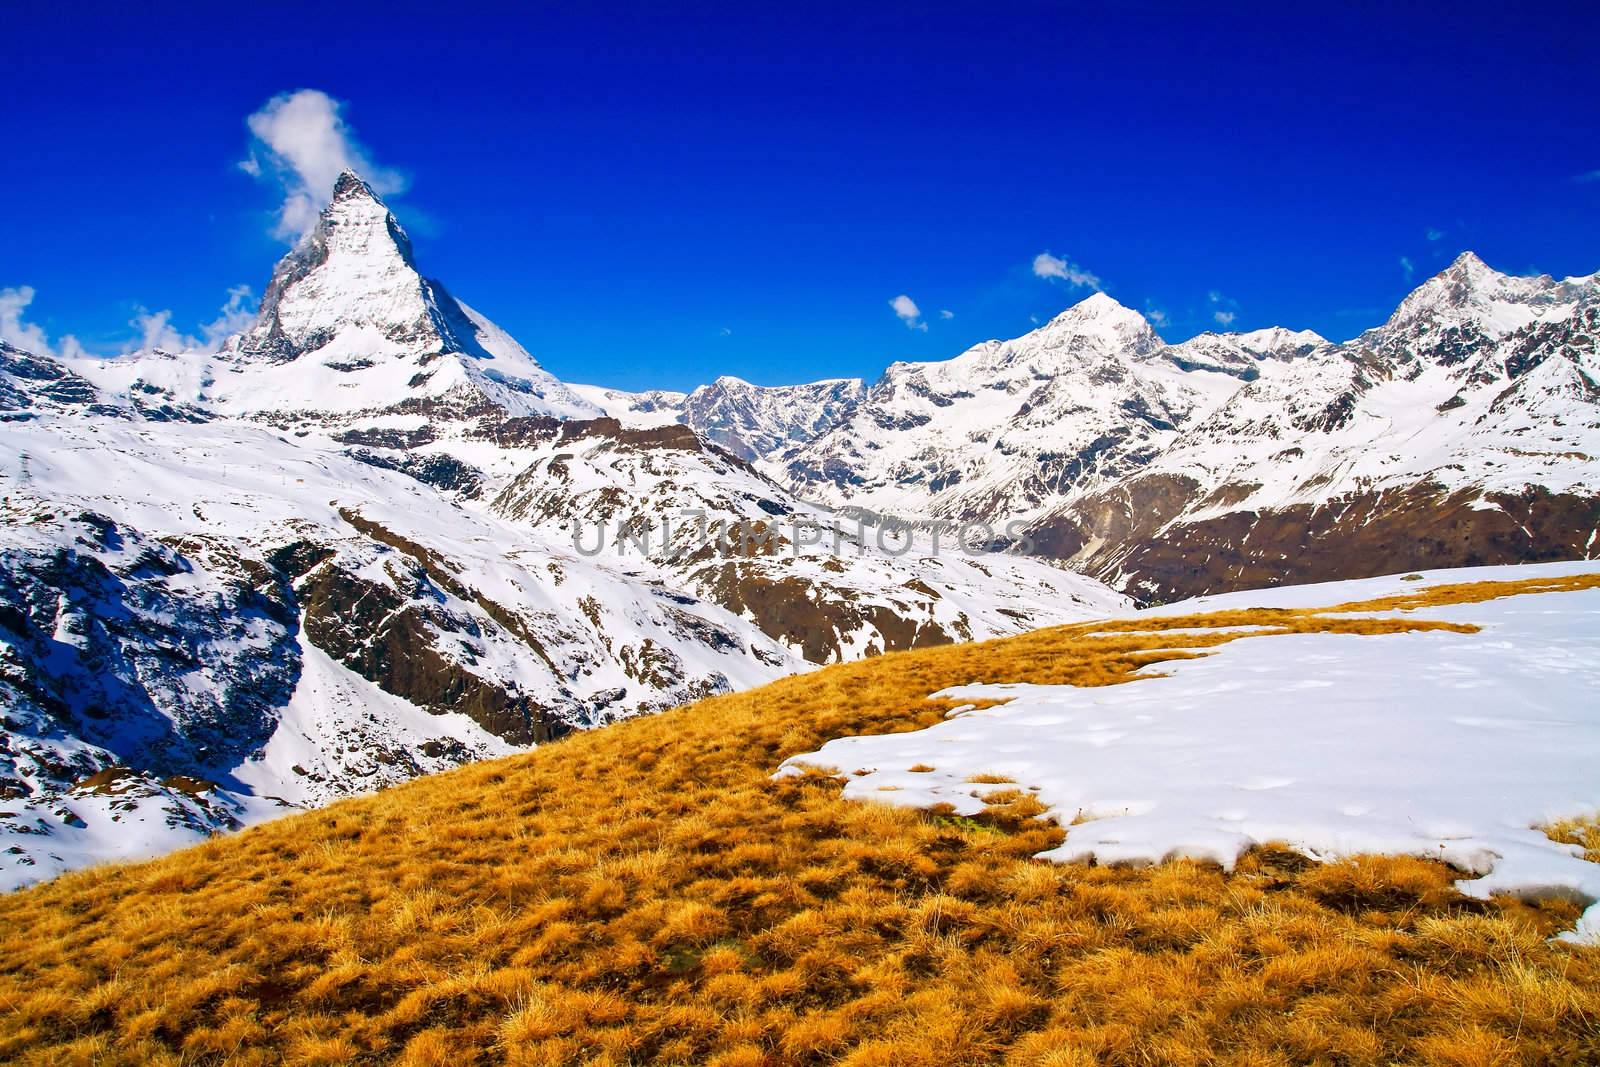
(1102, 316)
(1479, 322)
(1466, 280)
(1091, 332)
(1096, 326)
(357, 223)
(1278, 342)
(349, 324)
(1471, 290)
(1470, 263)
(354, 271)
(349, 185)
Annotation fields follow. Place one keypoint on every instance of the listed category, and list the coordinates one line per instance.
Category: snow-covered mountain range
(1464, 430)
(371, 538)
(756, 421)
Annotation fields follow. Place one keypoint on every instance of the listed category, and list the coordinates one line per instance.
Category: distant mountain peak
(1467, 293)
(1101, 322)
(1096, 306)
(1097, 302)
(1466, 274)
(1272, 338)
(1101, 311)
(1470, 262)
(755, 421)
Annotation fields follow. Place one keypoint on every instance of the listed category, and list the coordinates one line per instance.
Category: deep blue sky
(620, 187)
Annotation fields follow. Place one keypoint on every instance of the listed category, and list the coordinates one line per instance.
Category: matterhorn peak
(353, 271)
(355, 202)
(350, 184)
(365, 330)
(357, 222)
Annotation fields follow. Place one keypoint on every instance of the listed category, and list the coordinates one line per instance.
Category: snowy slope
(1452, 746)
(278, 618)
(829, 588)
(652, 407)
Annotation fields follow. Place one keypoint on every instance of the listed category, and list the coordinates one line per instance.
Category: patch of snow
(1443, 745)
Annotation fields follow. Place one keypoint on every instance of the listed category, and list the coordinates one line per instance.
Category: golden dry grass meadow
(647, 893)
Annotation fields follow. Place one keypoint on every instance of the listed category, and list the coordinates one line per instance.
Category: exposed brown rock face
(1114, 518)
(814, 616)
(391, 639)
(1122, 538)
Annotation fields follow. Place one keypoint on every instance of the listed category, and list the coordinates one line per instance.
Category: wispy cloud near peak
(1059, 268)
(906, 308)
(301, 141)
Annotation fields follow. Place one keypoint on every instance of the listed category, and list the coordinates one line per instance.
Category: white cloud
(1058, 268)
(1588, 176)
(727, 332)
(1156, 316)
(946, 313)
(156, 329)
(236, 316)
(30, 336)
(25, 335)
(905, 307)
(302, 142)
(909, 313)
(1226, 308)
(1434, 234)
(1408, 267)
